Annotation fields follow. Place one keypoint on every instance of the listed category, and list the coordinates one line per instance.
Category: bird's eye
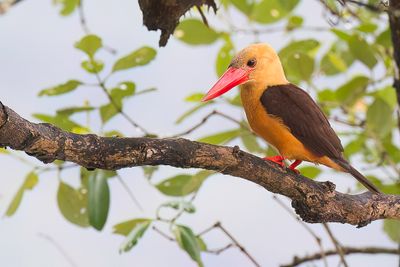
(251, 63)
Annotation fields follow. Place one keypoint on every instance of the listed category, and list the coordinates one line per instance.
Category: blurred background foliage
(350, 74)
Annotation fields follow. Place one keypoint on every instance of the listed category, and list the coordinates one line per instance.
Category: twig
(163, 234)
(338, 246)
(118, 108)
(203, 17)
(220, 250)
(206, 118)
(85, 27)
(130, 193)
(353, 124)
(375, 8)
(211, 251)
(179, 214)
(59, 248)
(309, 230)
(232, 238)
(346, 250)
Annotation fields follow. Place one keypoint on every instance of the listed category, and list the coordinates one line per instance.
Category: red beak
(231, 78)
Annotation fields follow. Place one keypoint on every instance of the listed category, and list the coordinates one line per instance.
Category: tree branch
(346, 250)
(164, 15)
(314, 202)
(394, 22)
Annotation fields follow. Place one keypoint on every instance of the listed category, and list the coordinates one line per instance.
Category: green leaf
(107, 112)
(124, 89)
(221, 137)
(187, 241)
(149, 171)
(180, 205)
(236, 101)
(60, 89)
(362, 51)
(245, 6)
(72, 110)
(59, 120)
(68, 6)
(341, 34)
(387, 94)
(30, 182)
(337, 60)
(73, 204)
(307, 46)
(118, 94)
(99, 201)
(93, 65)
(139, 57)
(202, 244)
(224, 57)
(299, 66)
(392, 229)
(384, 38)
(89, 44)
(327, 95)
(297, 59)
(294, 22)
(250, 143)
(354, 146)
(332, 63)
(310, 172)
(133, 237)
(367, 27)
(196, 97)
(270, 11)
(126, 227)
(379, 118)
(195, 32)
(353, 90)
(183, 184)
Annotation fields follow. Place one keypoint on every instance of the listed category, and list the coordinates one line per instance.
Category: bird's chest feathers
(266, 126)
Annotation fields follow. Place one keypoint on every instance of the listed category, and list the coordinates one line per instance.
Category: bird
(282, 113)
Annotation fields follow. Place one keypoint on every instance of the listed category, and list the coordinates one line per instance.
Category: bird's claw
(276, 159)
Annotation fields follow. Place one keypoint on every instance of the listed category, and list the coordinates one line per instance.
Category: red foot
(294, 165)
(277, 159)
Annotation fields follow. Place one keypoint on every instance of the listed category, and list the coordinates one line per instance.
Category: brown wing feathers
(308, 124)
(304, 118)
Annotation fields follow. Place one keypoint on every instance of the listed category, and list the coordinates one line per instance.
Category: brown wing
(304, 118)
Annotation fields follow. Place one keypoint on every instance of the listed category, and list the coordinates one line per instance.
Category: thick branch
(394, 21)
(315, 202)
(164, 15)
(346, 250)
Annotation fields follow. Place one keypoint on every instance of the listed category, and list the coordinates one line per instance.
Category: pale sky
(36, 51)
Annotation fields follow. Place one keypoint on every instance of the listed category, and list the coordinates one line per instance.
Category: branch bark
(346, 250)
(314, 202)
(164, 15)
(394, 22)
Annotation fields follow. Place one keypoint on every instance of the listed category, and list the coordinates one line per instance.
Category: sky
(36, 51)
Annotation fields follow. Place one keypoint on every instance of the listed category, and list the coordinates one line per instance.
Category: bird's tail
(356, 174)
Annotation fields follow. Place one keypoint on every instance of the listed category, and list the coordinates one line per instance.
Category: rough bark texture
(394, 22)
(164, 15)
(315, 202)
(346, 250)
